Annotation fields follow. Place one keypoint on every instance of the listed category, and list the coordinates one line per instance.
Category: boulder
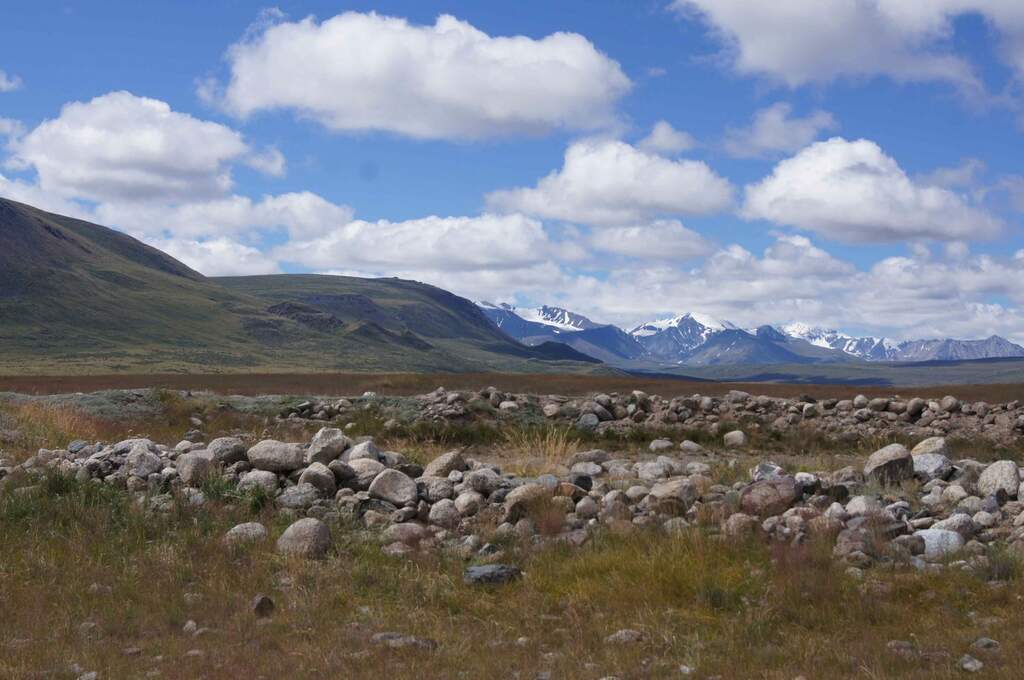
(890, 465)
(673, 496)
(227, 450)
(394, 487)
(929, 466)
(768, 497)
(362, 451)
(194, 469)
(248, 532)
(444, 514)
(366, 471)
(327, 445)
(932, 445)
(521, 499)
(445, 464)
(275, 456)
(258, 479)
(939, 543)
(491, 574)
(1001, 475)
(298, 497)
(308, 537)
(736, 439)
(321, 477)
(141, 461)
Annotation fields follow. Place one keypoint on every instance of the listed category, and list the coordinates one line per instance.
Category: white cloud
(667, 140)
(773, 130)
(9, 83)
(301, 215)
(487, 242)
(270, 162)
(122, 147)
(852, 191)
(357, 72)
(659, 240)
(607, 182)
(218, 256)
(11, 128)
(814, 41)
(964, 175)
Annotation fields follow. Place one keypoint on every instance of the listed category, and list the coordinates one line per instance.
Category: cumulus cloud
(659, 240)
(774, 130)
(123, 147)
(218, 256)
(357, 72)
(608, 182)
(852, 191)
(270, 162)
(491, 242)
(666, 139)
(9, 83)
(11, 128)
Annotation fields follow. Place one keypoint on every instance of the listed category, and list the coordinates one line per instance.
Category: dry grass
(738, 610)
(534, 451)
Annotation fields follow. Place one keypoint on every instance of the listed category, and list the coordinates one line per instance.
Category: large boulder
(327, 445)
(275, 456)
(521, 499)
(194, 469)
(673, 496)
(308, 537)
(736, 439)
(890, 465)
(227, 450)
(298, 497)
(142, 461)
(929, 466)
(365, 470)
(768, 497)
(1000, 475)
(258, 479)
(394, 487)
(939, 543)
(931, 445)
(366, 450)
(248, 532)
(445, 464)
(320, 476)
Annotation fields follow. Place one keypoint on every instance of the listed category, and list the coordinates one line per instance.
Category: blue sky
(850, 164)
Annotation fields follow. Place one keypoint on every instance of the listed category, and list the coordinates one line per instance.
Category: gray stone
(521, 499)
(768, 497)
(248, 532)
(366, 471)
(930, 466)
(327, 445)
(141, 461)
(308, 537)
(890, 465)
(258, 479)
(227, 450)
(275, 456)
(394, 487)
(1002, 474)
(491, 574)
(298, 497)
(939, 543)
(659, 445)
(933, 445)
(193, 468)
(444, 514)
(362, 451)
(445, 464)
(320, 476)
(673, 496)
(736, 439)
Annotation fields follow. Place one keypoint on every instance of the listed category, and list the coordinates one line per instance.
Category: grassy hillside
(80, 298)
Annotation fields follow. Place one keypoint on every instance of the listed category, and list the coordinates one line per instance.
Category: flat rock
(275, 456)
(491, 574)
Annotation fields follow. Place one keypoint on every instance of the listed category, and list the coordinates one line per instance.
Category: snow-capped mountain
(699, 339)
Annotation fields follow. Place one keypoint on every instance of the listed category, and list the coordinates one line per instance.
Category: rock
(736, 439)
(362, 451)
(321, 477)
(394, 487)
(768, 497)
(587, 422)
(227, 450)
(932, 445)
(142, 462)
(258, 479)
(261, 606)
(433, 489)
(740, 524)
(193, 468)
(444, 514)
(468, 503)
(445, 464)
(940, 542)
(491, 574)
(766, 470)
(691, 448)
(248, 532)
(929, 466)
(587, 468)
(624, 637)
(949, 404)
(327, 445)
(275, 456)
(521, 499)
(399, 641)
(673, 496)
(890, 465)
(586, 508)
(308, 537)
(409, 533)
(659, 445)
(298, 497)
(365, 471)
(969, 664)
(916, 406)
(1002, 474)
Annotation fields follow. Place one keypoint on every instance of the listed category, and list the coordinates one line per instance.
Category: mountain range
(76, 297)
(695, 339)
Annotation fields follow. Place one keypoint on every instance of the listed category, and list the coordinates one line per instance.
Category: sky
(854, 164)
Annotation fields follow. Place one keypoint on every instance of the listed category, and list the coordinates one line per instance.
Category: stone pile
(919, 507)
(838, 419)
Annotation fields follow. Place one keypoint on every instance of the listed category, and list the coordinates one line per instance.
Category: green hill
(77, 297)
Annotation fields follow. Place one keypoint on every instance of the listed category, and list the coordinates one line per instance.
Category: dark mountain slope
(79, 297)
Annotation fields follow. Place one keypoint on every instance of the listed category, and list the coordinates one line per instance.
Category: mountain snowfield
(699, 339)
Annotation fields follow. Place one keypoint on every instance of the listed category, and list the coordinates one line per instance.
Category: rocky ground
(911, 507)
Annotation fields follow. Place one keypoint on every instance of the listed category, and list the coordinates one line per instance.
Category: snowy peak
(561, 319)
(688, 320)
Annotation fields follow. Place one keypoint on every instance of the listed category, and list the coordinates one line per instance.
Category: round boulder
(890, 465)
(308, 537)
